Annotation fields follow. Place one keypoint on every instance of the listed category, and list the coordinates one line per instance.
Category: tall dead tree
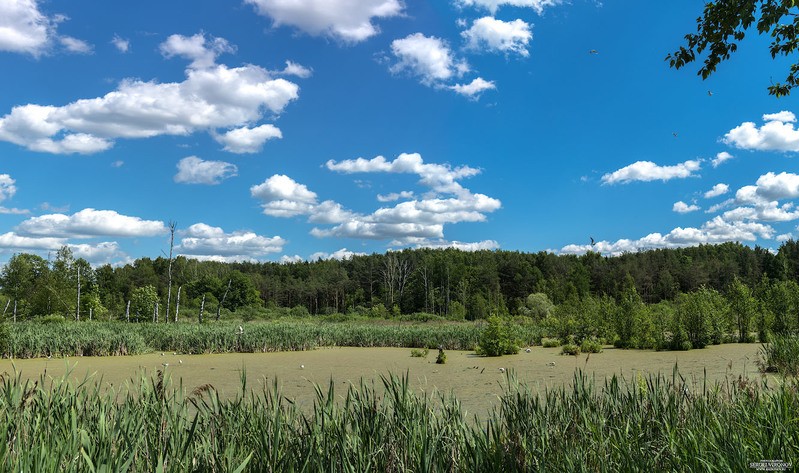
(127, 312)
(177, 305)
(172, 226)
(219, 307)
(395, 272)
(77, 306)
(202, 306)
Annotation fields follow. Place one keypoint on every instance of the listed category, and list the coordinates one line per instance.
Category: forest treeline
(445, 282)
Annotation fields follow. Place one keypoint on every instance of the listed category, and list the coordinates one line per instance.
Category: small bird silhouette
(674, 133)
(593, 51)
(592, 241)
(710, 93)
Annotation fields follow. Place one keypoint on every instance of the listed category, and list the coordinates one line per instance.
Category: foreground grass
(646, 424)
(33, 339)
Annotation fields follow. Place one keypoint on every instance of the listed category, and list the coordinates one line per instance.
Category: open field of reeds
(643, 424)
(34, 339)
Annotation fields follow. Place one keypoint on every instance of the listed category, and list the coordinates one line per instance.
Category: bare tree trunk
(172, 226)
(177, 305)
(127, 313)
(155, 313)
(90, 314)
(219, 307)
(15, 310)
(6, 309)
(77, 307)
(202, 306)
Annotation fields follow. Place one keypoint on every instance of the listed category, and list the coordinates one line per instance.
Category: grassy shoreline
(620, 425)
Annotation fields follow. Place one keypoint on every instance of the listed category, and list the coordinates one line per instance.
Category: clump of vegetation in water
(417, 353)
(780, 356)
(590, 345)
(442, 357)
(498, 338)
(550, 342)
(570, 349)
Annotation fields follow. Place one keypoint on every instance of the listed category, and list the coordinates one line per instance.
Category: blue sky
(272, 130)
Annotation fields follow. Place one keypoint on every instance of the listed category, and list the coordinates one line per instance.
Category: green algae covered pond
(476, 381)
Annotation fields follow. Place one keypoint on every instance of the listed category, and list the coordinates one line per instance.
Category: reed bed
(33, 339)
(652, 424)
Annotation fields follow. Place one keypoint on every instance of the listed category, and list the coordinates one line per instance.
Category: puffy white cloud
(342, 254)
(721, 158)
(282, 187)
(439, 177)
(426, 57)
(491, 34)
(193, 170)
(347, 20)
(683, 208)
(458, 245)
(294, 69)
(784, 237)
(649, 171)
(286, 259)
(777, 134)
(13, 211)
(203, 241)
(89, 223)
(393, 196)
(7, 187)
(716, 230)
(200, 50)
(95, 253)
(75, 45)
(772, 186)
(767, 212)
(493, 5)
(474, 88)
(122, 44)
(248, 140)
(210, 98)
(420, 218)
(23, 28)
(717, 190)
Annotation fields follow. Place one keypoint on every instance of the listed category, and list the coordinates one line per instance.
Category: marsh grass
(32, 339)
(657, 423)
(780, 355)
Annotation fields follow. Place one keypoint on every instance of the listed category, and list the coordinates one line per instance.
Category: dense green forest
(750, 289)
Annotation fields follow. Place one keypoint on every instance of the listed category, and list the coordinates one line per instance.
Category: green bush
(498, 338)
(53, 319)
(590, 346)
(570, 349)
(417, 353)
(442, 357)
(550, 342)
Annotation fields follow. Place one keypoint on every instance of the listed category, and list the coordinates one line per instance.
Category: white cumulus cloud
(7, 187)
(89, 223)
(683, 208)
(193, 170)
(717, 190)
(777, 134)
(342, 254)
(122, 44)
(721, 158)
(75, 45)
(474, 88)
(493, 35)
(649, 171)
(426, 57)
(717, 230)
(294, 69)
(248, 140)
(212, 97)
(493, 5)
(204, 241)
(346, 20)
